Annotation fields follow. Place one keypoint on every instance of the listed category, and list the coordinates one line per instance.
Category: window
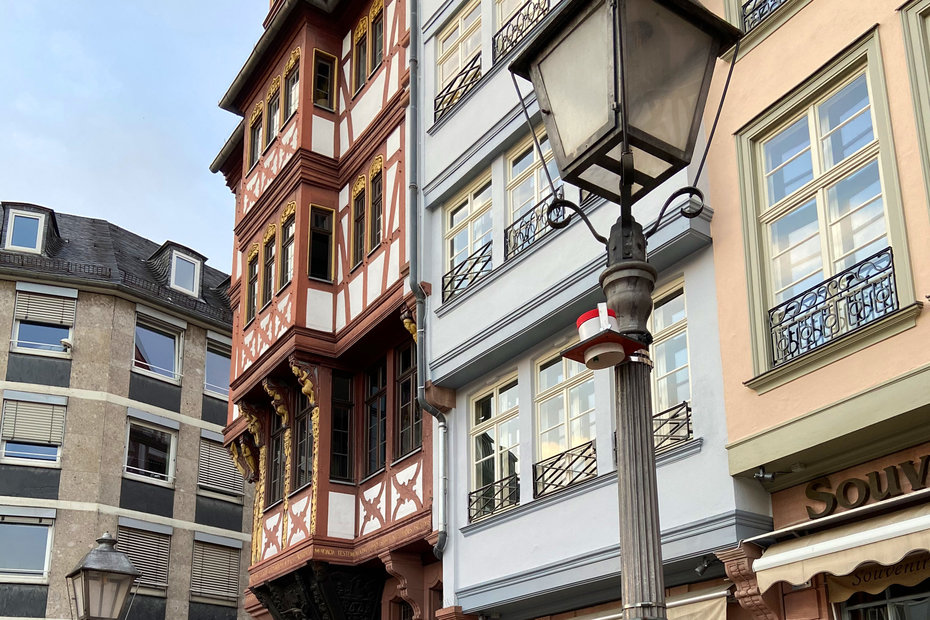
(273, 115)
(358, 227)
(672, 385)
(25, 231)
(33, 427)
(375, 417)
(215, 572)
(216, 369)
(255, 135)
(291, 89)
(251, 291)
(495, 449)
(321, 243)
(324, 80)
(408, 423)
(459, 43)
(42, 323)
(185, 274)
(360, 56)
(157, 350)
(26, 542)
(527, 182)
(149, 551)
(287, 251)
(340, 463)
(150, 451)
(377, 36)
(268, 269)
(303, 441)
(216, 471)
(276, 462)
(377, 209)
(505, 9)
(564, 405)
(468, 224)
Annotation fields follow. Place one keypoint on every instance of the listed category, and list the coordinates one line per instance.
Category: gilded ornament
(233, 449)
(250, 457)
(258, 507)
(359, 186)
(253, 252)
(256, 112)
(275, 85)
(269, 234)
(376, 7)
(306, 375)
(287, 486)
(292, 61)
(315, 428)
(253, 418)
(376, 166)
(361, 29)
(278, 392)
(289, 210)
(411, 327)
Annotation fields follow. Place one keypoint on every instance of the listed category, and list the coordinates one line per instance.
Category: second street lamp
(621, 86)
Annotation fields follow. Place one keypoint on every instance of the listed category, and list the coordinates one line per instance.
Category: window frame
(269, 263)
(52, 412)
(533, 170)
(455, 49)
(273, 112)
(666, 334)
(475, 212)
(331, 255)
(303, 416)
(358, 214)
(12, 214)
(375, 224)
(256, 147)
(65, 352)
(150, 555)
(219, 491)
(406, 376)
(381, 394)
(291, 101)
(375, 48)
(865, 56)
(560, 389)
(252, 284)
(170, 472)
(495, 421)
(218, 348)
(175, 257)
(164, 329)
(333, 62)
(230, 598)
(25, 577)
(277, 462)
(287, 256)
(349, 405)
(360, 49)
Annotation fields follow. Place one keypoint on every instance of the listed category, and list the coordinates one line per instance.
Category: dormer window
(24, 231)
(185, 274)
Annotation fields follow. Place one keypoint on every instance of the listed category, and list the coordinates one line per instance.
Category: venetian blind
(33, 422)
(149, 552)
(44, 308)
(216, 469)
(215, 571)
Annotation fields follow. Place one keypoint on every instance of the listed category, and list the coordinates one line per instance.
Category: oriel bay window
(321, 244)
(407, 421)
(375, 417)
(291, 84)
(324, 80)
(495, 450)
(268, 266)
(358, 219)
(565, 425)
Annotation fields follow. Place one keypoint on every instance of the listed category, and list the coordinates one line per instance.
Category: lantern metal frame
(104, 559)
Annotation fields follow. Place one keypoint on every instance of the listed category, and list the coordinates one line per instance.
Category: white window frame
(172, 454)
(494, 422)
(14, 516)
(30, 289)
(168, 330)
(560, 390)
(40, 233)
(175, 257)
(534, 169)
(39, 399)
(221, 344)
(475, 211)
(667, 333)
(455, 49)
(233, 488)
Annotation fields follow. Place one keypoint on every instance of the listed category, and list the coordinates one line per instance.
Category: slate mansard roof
(95, 252)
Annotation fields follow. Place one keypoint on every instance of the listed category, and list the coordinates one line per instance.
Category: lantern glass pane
(601, 177)
(77, 593)
(667, 58)
(94, 581)
(579, 100)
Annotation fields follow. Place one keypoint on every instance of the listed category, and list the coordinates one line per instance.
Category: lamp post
(621, 86)
(100, 584)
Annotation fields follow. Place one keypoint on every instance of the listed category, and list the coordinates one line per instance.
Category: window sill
(209, 600)
(24, 579)
(187, 292)
(320, 280)
(223, 497)
(21, 462)
(16, 248)
(272, 506)
(300, 489)
(324, 108)
(888, 326)
(371, 476)
(268, 146)
(282, 287)
(265, 305)
(403, 458)
(155, 375)
(148, 480)
(345, 483)
(248, 323)
(152, 591)
(40, 353)
(677, 453)
(216, 395)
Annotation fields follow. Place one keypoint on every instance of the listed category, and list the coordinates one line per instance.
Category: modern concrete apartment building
(114, 358)
(819, 182)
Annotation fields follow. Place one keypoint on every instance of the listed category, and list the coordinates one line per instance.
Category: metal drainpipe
(413, 216)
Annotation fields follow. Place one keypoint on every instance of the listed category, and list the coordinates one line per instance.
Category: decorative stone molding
(376, 166)
(408, 569)
(256, 112)
(359, 186)
(289, 210)
(376, 7)
(253, 252)
(269, 233)
(275, 86)
(361, 29)
(738, 565)
(292, 61)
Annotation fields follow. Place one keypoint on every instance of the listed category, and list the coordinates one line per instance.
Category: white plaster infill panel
(271, 536)
(393, 263)
(298, 527)
(412, 479)
(371, 509)
(343, 136)
(355, 295)
(391, 178)
(375, 285)
(346, 48)
(368, 105)
(319, 310)
(341, 517)
(393, 73)
(323, 138)
(392, 145)
(340, 310)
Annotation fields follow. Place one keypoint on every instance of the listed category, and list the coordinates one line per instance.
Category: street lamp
(618, 82)
(100, 584)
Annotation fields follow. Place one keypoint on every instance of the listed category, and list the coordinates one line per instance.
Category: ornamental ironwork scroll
(755, 12)
(520, 23)
(468, 271)
(528, 228)
(464, 81)
(837, 307)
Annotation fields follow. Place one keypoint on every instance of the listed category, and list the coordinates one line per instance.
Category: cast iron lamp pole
(645, 97)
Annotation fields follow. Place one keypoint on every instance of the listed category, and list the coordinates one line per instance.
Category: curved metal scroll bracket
(688, 210)
(557, 217)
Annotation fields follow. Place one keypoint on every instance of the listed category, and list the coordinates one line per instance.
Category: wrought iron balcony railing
(672, 426)
(520, 23)
(528, 228)
(462, 275)
(463, 82)
(494, 497)
(756, 11)
(837, 307)
(565, 469)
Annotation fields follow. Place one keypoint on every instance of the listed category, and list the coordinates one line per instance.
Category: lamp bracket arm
(688, 209)
(558, 218)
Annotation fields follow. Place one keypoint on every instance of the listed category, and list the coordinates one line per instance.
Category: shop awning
(706, 604)
(882, 540)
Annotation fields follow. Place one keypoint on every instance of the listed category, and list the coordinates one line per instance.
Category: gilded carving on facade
(256, 112)
(278, 392)
(287, 486)
(249, 457)
(306, 376)
(253, 419)
(376, 166)
(258, 507)
(359, 186)
(275, 86)
(269, 233)
(361, 29)
(289, 210)
(292, 61)
(315, 428)
(253, 252)
(376, 7)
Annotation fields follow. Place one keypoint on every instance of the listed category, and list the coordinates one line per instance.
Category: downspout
(413, 216)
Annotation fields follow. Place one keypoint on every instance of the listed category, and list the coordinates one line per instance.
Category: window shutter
(44, 309)
(216, 469)
(148, 552)
(33, 422)
(215, 571)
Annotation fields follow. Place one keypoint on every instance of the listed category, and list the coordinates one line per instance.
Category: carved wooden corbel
(306, 374)
(408, 569)
(278, 391)
(253, 416)
(249, 455)
(738, 565)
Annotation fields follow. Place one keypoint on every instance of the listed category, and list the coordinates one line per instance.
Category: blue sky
(108, 108)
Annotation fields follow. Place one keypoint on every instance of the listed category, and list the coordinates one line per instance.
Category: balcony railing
(494, 497)
(756, 11)
(462, 275)
(565, 469)
(837, 307)
(463, 82)
(520, 23)
(672, 426)
(530, 227)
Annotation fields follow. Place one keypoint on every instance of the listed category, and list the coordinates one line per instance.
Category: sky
(108, 109)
